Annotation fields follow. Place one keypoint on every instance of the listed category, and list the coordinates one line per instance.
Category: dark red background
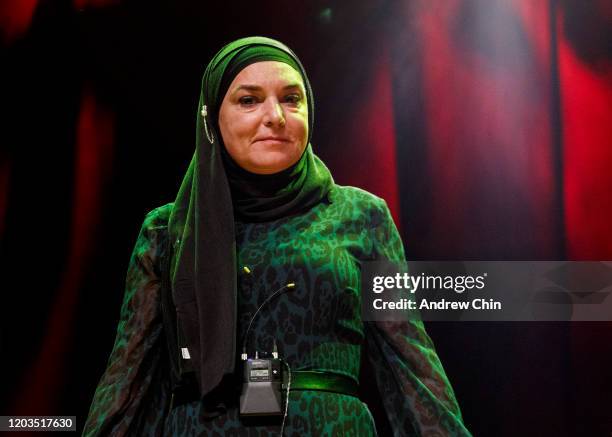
(485, 124)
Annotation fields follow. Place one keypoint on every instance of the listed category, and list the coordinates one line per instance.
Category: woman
(257, 210)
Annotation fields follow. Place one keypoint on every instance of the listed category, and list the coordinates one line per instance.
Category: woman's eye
(247, 100)
(293, 98)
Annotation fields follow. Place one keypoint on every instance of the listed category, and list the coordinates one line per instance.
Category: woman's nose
(273, 113)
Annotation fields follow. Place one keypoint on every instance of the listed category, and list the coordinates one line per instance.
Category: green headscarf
(214, 193)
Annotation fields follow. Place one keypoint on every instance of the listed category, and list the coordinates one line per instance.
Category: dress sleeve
(416, 393)
(132, 395)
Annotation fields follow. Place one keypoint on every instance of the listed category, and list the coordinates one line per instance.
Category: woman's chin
(272, 163)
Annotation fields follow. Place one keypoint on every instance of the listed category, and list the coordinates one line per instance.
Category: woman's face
(264, 117)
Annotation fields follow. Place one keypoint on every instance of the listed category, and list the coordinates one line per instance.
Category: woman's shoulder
(153, 232)
(361, 205)
(357, 196)
(158, 217)
(154, 228)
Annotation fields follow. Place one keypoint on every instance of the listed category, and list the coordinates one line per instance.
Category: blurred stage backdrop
(485, 124)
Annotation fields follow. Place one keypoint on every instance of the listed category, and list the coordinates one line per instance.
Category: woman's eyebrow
(293, 85)
(249, 87)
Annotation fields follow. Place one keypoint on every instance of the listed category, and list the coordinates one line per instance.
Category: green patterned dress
(317, 326)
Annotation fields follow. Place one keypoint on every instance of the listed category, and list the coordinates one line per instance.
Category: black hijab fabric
(214, 193)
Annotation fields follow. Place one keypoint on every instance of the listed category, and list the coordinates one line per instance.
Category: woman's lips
(272, 140)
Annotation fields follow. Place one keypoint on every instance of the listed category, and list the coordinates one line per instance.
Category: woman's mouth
(271, 139)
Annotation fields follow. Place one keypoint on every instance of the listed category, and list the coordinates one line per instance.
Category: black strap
(180, 370)
(323, 381)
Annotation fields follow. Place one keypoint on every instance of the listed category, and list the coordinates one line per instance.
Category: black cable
(289, 286)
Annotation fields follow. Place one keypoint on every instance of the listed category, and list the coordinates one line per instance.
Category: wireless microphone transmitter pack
(263, 377)
(261, 388)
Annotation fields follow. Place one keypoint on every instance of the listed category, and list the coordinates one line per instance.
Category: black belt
(322, 381)
(300, 380)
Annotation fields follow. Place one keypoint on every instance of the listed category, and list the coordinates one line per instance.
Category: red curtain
(43, 380)
(585, 72)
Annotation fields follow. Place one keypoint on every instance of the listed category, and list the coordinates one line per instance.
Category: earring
(209, 135)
